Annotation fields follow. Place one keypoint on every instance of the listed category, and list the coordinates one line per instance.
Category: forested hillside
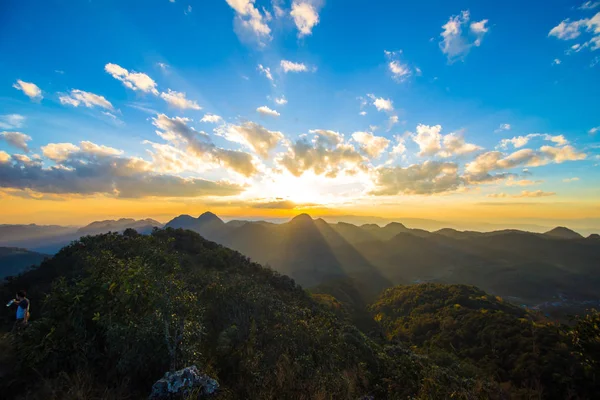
(113, 312)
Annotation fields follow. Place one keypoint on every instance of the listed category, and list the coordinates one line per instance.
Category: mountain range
(558, 268)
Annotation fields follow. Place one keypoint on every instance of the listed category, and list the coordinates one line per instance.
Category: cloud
(264, 110)
(589, 5)
(87, 171)
(431, 177)
(177, 99)
(428, 138)
(537, 193)
(511, 181)
(478, 170)
(363, 113)
(569, 30)
(503, 127)
(556, 61)
(381, 104)
(326, 154)
(279, 205)
(373, 146)
(400, 71)
(11, 121)
(249, 23)
(568, 180)
(59, 151)
(30, 89)
(594, 130)
(176, 131)
(133, 80)
(79, 97)
(16, 139)
(520, 141)
(497, 195)
(281, 101)
(253, 136)
(454, 144)
(290, 66)
(456, 40)
(305, 16)
(400, 147)
(266, 71)
(163, 66)
(4, 157)
(211, 118)
(187, 10)
(392, 121)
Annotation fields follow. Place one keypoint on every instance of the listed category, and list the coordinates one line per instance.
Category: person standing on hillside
(22, 303)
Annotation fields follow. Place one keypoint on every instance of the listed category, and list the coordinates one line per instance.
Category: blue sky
(507, 73)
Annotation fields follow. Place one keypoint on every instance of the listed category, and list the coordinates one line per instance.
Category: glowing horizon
(247, 110)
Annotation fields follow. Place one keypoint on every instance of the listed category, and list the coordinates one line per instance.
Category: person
(22, 303)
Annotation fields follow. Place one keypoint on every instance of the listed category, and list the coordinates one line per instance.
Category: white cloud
(305, 17)
(428, 138)
(456, 43)
(177, 99)
(4, 157)
(399, 70)
(249, 23)
(133, 80)
(556, 61)
(16, 139)
(511, 181)
(211, 118)
(188, 10)
(503, 127)
(373, 146)
(454, 145)
(253, 136)
(99, 150)
(363, 113)
(290, 66)
(163, 66)
(79, 97)
(266, 71)
(59, 151)
(11, 121)
(176, 131)
(264, 110)
(281, 101)
(400, 147)
(431, 142)
(589, 5)
(431, 177)
(594, 130)
(568, 30)
(381, 104)
(30, 89)
(277, 8)
(478, 170)
(568, 180)
(520, 141)
(392, 121)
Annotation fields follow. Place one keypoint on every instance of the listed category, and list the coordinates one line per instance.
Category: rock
(183, 382)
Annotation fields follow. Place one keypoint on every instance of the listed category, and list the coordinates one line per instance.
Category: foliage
(126, 308)
(499, 339)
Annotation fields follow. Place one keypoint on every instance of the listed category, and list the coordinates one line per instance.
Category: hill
(497, 337)
(529, 268)
(560, 232)
(14, 260)
(97, 227)
(134, 306)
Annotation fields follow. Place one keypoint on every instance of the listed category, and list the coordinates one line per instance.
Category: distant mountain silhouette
(530, 267)
(14, 260)
(561, 232)
(97, 227)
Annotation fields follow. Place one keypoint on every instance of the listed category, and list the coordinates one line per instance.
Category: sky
(462, 110)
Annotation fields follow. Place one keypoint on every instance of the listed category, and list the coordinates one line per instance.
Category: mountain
(560, 232)
(40, 238)
(97, 227)
(134, 306)
(533, 269)
(14, 260)
(140, 305)
(207, 224)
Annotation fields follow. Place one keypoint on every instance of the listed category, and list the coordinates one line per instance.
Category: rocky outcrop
(183, 382)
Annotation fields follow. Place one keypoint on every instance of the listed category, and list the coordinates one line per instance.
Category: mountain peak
(395, 225)
(209, 217)
(563, 233)
(301, 218)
